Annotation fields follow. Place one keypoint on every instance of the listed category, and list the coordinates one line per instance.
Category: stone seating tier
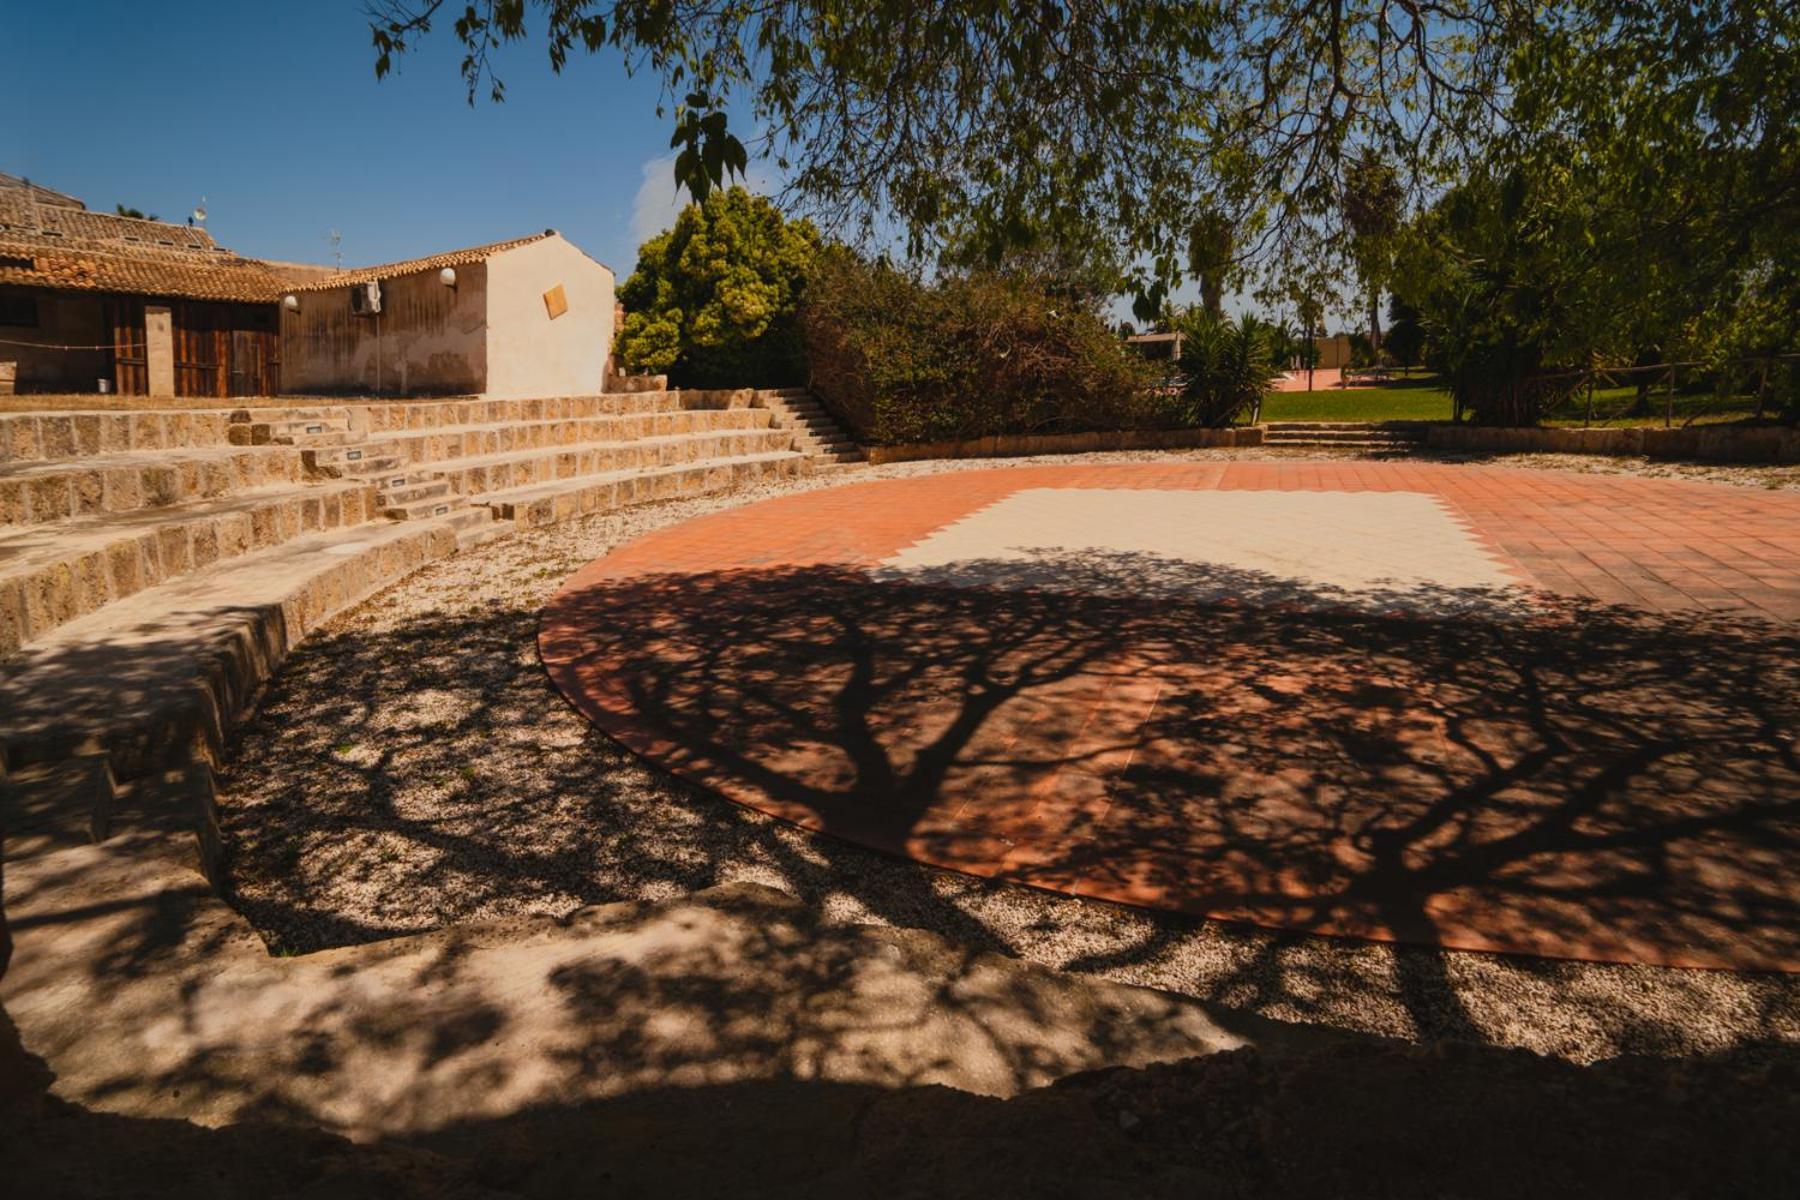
(51, 574)
(155, 567)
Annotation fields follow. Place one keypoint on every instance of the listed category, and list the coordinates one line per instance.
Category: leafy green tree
(1669, 128)
(1405, 339)
(1372, 202)
(712, 300)
(1136, 117)
(1226, 367)
(125, 211)
(899, 358)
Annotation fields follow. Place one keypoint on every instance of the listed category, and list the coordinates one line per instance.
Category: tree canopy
(1138, 117)
(1226, 140)
(712, 300)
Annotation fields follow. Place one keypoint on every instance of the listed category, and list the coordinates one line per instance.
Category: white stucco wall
(528, 353)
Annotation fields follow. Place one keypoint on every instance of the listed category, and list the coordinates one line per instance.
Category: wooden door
(255, 362)
(130, 350)
(202, 349)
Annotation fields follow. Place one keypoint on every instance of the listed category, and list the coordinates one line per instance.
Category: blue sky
(269, 109)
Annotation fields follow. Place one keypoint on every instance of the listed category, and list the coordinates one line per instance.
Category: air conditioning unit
(365, 298)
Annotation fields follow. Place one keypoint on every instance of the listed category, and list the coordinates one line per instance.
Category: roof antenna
(337, 255)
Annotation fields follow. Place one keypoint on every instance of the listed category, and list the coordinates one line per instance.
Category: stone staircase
(156, 567)
(331, 449)
(1375, 439)
(816, 432)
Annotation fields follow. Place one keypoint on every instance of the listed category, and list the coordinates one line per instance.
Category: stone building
(95, 302)
(92, 301)
(528, 317)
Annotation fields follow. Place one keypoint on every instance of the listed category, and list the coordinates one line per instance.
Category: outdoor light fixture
(447, 277)
(291, 302)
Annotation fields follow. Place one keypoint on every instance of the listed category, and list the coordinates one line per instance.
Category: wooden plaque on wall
(556, 303)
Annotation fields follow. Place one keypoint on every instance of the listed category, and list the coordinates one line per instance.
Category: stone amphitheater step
(51, 436)
(394, 417)
(55, 572)
(479, 474)
(37, 492)
(581, 495)
(1344, 435)
(158, 678)
(437, 444)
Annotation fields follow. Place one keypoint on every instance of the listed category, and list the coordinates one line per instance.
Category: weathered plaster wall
(531, 354)
(428, 340)
(63, 319)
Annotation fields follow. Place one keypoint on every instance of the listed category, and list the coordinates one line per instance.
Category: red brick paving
(1614, 778)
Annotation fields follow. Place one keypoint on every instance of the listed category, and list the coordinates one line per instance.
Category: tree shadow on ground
(1337, 769)
(1562, 779)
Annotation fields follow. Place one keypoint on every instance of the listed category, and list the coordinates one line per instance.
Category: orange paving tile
(1614, 775)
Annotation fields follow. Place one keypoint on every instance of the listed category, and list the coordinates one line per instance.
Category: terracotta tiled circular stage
(1488, 709)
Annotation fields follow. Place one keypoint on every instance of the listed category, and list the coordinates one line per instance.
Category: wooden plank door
(130, 349)
(202, 350)
(255, 362)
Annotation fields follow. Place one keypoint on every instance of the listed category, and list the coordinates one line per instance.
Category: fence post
(1669, 398)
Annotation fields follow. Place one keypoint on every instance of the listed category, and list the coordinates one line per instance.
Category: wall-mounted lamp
(447, 277)
(291, 302)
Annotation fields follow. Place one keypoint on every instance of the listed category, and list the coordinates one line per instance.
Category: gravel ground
(413, 767)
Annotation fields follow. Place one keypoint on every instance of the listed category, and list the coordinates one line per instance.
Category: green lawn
(1420, 399)
(1612, 404)
(1423, 398)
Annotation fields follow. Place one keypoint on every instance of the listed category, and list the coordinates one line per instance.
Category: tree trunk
(1212, 296)
(1375, 325)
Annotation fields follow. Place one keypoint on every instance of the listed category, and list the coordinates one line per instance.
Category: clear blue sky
(271, 111)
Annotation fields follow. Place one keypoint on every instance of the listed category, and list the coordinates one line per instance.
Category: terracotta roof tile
(23, 218)
(452, 258)
(225, 277)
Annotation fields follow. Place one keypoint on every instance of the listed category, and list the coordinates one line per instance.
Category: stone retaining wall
(1019, 445)
(1717, 443)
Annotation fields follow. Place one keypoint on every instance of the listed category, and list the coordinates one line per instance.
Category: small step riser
(370, 466)
(425, 510)
(57, 805)
(414, 493)
(300, 432)
(614, 494)
(33, 604)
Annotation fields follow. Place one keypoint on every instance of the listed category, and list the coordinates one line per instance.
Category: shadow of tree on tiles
(403, 777)
(1551, 779)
